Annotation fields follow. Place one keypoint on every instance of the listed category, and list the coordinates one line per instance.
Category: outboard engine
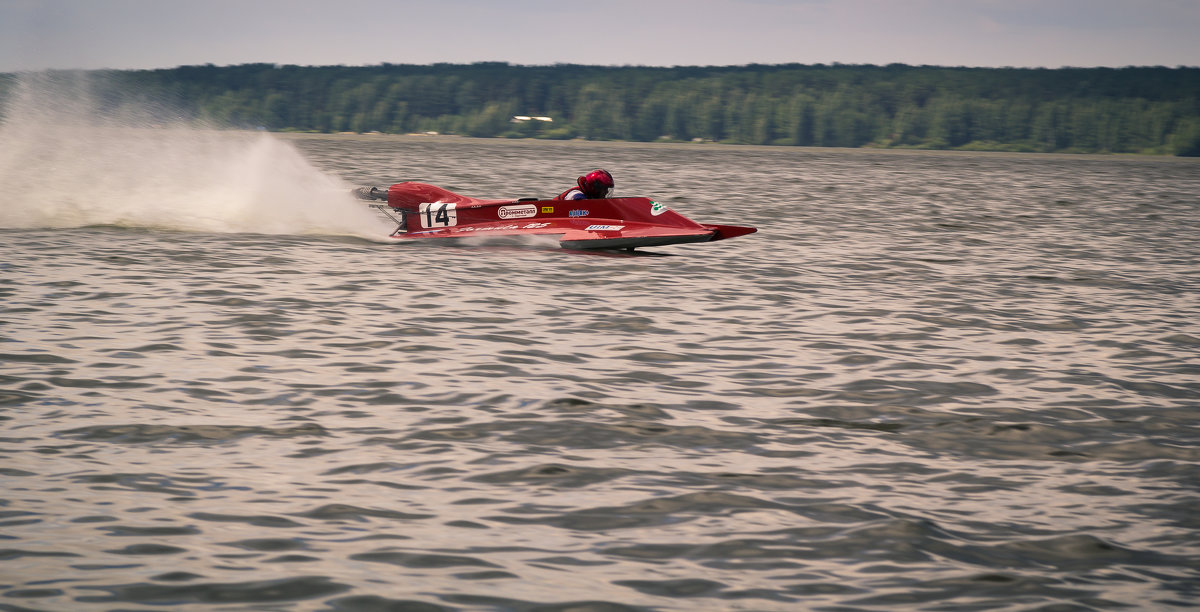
(398, 216)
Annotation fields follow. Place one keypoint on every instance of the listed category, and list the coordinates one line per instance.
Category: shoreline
(707, 144)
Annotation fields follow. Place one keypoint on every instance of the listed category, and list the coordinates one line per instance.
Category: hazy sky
(38, 34)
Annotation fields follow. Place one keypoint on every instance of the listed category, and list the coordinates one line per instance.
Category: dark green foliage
(1125, 110)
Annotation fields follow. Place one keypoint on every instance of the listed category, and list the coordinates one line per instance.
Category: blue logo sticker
(579, 213)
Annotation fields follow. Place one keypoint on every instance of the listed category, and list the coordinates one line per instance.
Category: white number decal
(438, 214)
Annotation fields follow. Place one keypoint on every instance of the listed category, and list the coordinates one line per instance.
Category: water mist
(67, 163)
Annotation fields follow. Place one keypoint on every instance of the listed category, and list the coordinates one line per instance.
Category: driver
(593, 185)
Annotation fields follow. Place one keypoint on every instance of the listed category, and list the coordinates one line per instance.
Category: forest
(1145, 110)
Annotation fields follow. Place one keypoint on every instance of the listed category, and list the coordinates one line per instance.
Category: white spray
(65, 164)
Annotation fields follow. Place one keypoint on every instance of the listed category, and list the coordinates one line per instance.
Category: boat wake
(68, 163)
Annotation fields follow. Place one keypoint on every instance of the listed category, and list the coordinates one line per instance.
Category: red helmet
(596, 184)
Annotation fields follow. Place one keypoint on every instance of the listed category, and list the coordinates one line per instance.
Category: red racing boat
(427, 211)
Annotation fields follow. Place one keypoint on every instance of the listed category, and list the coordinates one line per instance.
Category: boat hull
(426, 211)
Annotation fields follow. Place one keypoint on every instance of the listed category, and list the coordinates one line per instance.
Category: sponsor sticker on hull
(522, 211)
(604, 228)
(547, 210)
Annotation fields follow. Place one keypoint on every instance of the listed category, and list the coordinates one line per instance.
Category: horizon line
(499, 63)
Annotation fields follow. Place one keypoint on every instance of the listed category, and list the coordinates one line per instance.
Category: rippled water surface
(931, 381)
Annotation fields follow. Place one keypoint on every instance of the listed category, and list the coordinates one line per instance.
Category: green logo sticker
(657, 209)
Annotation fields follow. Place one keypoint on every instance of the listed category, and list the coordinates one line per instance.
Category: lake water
(935, 381)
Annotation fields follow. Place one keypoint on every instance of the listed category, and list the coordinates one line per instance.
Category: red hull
(428, 211)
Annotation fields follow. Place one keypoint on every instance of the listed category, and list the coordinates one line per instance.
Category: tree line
(1154, 110)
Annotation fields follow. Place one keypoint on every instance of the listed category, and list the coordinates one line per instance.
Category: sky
(134, 34)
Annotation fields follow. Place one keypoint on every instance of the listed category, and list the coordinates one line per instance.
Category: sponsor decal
(522, 211)
(491, 228)
(547, 210)
(604, 228)
(657, 208)
(579, 213)
(535, 225)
